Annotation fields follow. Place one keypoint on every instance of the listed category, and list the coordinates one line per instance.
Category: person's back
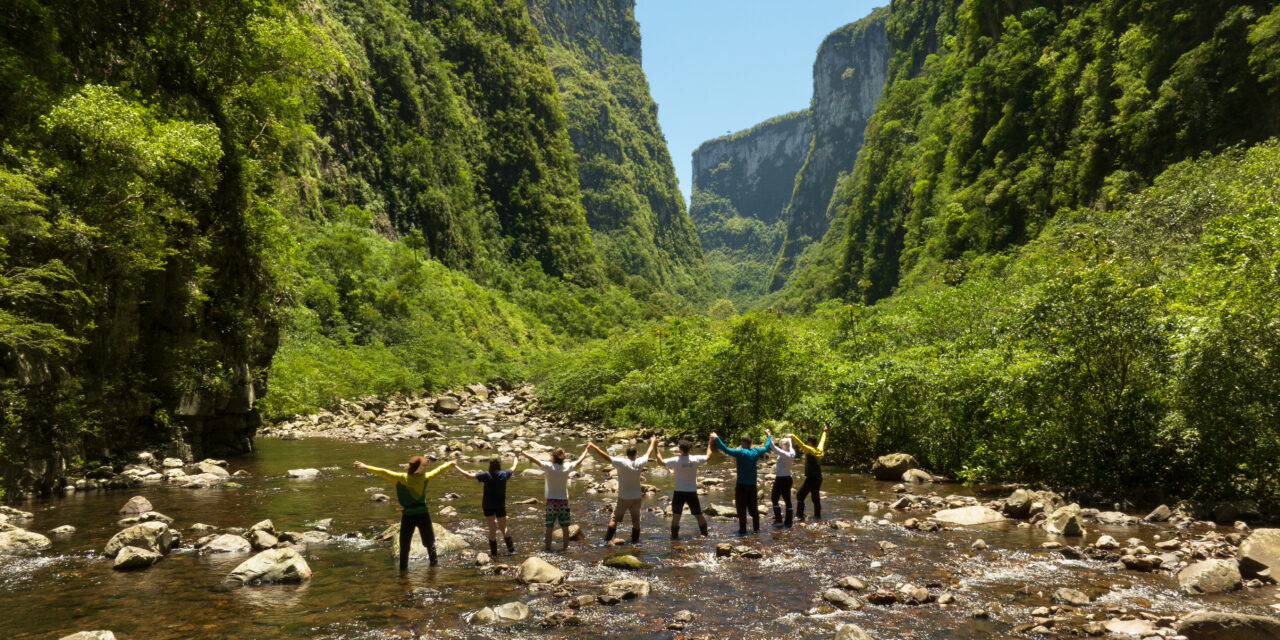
(684, 468)
(745, 499)
(495, 489)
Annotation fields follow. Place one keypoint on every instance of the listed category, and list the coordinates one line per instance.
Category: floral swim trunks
(557, 511)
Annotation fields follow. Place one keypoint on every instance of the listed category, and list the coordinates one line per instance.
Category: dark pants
(781, 489)
(810, 486)
(744, 500)
(421, 522)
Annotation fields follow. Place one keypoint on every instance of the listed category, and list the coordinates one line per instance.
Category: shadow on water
(356, 591)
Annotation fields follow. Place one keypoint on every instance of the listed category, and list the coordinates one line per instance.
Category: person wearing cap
(411, 490)
(494, 501)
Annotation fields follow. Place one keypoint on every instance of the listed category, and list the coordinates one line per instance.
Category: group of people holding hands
(411, 488)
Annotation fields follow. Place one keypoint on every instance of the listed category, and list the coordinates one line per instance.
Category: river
(356, 591)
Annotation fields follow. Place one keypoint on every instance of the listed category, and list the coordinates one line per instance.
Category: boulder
(479, 391)
(1022, 503)
(1065, 521)
(20, 542)
(1159, 514)
(1228, 626)
(1129, 628)
(90, 635)
(64, 530)
(447, 404)
(851, 632)
(131, 558)
(482, 617)
(969, 516)
(511, 612)
(1209, 576)
(261, 540)
(841, 599)
(154, 536)
(627, 589)
(891, 467)
(226, 543)
(304, 474)
(917, 476)
(200, 481)
(1260, 552)
(1072, 597)
(136, 506)
(575, 533)
(206, 467)
(447, 543)
(538, 571)
(271, 566)
(626, 562)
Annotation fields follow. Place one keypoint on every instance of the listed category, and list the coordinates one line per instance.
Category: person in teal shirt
(745, 499)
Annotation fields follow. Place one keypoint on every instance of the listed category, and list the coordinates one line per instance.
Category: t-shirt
(495, 487)
(785, 458)
(557, 479)
(685, 469)
(746, 459)
(629, 476)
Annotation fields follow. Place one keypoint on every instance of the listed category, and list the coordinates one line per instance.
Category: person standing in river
(812, 484)
(782, 480)
(555, 475)
(630, 493)
(744, 495)
(685, 469)
(494, 501)
(411, 490)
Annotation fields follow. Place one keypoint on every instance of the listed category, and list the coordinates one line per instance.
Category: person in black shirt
(494, 502)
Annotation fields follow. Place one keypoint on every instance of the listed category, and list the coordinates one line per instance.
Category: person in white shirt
(685, 469)
(555, 475)
(782, 480)
(630, 493)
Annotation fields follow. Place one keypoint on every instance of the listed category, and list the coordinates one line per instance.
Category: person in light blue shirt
(744, 495)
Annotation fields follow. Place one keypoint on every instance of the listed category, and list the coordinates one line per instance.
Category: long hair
(416, 465)
(557, 455)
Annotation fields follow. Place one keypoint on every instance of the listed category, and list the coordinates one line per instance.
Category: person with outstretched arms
(411, 490)
(685, 469)
(812, 485)
(745, 500)
(555, 476)
(493, 503)
(782, 480)
(630, 493)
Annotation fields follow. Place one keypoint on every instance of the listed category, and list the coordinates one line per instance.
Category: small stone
(979, 545)
(1072, 597)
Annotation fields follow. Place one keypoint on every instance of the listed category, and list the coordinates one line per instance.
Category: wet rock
(968, 516)
(851, 632)
(64, 530)
(511, 612)
(207, 468)
(272, 566)
(841, 599)
(724, 550)
(1114, 518)
(447, 542)
(917, 476)
(484, 616)
(558, 618)
(447, 405)
(538, 571)
(1228, 626)
(20, 542)
(155, 536)
(483, 559)
(150, 516)
(200, 481)
(172, 463)
(379, 497)
(133, 558)
(1072, 597)
(90, 635)
(683, 615)
(136, 506)
(575, 533)
(1106, 542)
(15, 514)
(1260, 552)
(262, 540)
(882, 597)
(304, 474)
(891, 467)
(628, 589)
(916, 595)
(852, 583)
(226, 543)
(1023, 503)
(323, 525)
(979, 545)
(626, 562)
(1140, 563)
(1065, 521)
(1209, 576)
(478, 390)
(886, 546)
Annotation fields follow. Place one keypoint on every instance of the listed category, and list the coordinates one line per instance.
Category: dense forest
(1053, 258)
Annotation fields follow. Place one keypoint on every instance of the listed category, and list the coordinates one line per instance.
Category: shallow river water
(356, 591)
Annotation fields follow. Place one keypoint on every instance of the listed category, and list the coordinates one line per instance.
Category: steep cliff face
(741, 185)
(629, 188)
(848, 76)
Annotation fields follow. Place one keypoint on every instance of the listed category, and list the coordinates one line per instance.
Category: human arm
(822, 442)
(530, 456)
(596, 450)
(768, 443)
(515, 461)
(462, 471)
(803, 446)
(385, 474)
(653, 442)
(715, 439)
(436, 471)
(709, 446)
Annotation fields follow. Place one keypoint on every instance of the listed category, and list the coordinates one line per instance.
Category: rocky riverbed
(292, 542)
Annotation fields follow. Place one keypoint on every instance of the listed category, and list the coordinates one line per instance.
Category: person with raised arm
(685, 469)
(411, 490)
(630, 493)
(812, 484)
(744, 496)
(494, 501)
(782, 480)
(555, 475)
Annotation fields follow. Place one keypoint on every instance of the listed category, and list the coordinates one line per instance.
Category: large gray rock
(200, 481)
(202, 468)
(1022, 503)
(262, 540)
(1209, 576)
(154, 536)
(1260, 552)
(1159, 514)
(626, 562)
(841, 599)
(917, 476)
(447, 543)
(969, 516)
(1065, 521)
(90, 635)
(20, 542)
(447, 404)
(511, 612)
(136, 506)
(538, 571)
(483, 617)
(132, 558)
(271, 566)
(891, 467)
(227, 543)
(851, 632)
(1229, 626)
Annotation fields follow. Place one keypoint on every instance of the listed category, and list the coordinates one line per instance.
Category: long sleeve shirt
(746, 459)
(411, 490)
(785, 458)
(813, 456)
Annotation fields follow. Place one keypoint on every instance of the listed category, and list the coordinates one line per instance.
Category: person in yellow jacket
(411, 490)
(813, 450)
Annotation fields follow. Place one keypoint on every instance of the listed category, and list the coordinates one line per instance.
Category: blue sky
(716, 66)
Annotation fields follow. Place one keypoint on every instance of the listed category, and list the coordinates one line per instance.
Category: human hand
(824, 428)
(768, 432)
(361, 465)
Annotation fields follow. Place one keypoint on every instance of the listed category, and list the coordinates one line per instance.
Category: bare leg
(564, 531)
(548, 540)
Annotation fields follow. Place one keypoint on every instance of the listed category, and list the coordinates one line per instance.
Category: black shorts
(499, 511)
(680, 498)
